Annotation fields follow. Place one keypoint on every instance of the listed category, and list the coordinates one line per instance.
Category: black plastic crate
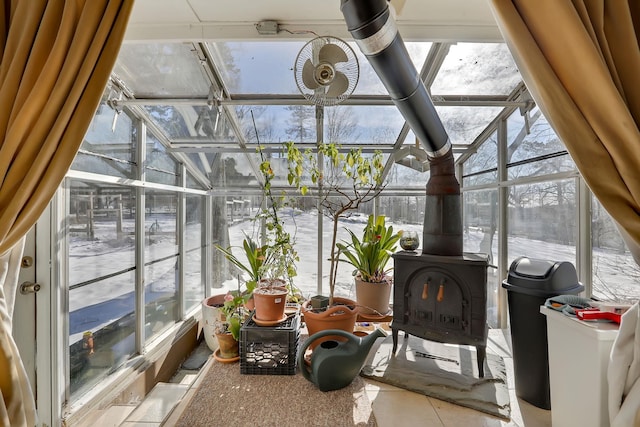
(269, 350)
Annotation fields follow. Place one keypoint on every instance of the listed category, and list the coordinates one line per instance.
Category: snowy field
(616, 276)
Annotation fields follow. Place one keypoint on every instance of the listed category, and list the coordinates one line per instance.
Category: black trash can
(529, 284)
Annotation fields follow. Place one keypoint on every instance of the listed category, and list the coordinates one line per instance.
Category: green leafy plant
(257, 260)
(274, 260)
(280, 244)
(344, 181)
(370, 255)
(234, 311)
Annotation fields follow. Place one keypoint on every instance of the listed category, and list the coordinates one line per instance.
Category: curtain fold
(55, 60)
(580, 60)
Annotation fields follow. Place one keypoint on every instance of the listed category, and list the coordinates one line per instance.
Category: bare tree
(340, 125)
(301, 123)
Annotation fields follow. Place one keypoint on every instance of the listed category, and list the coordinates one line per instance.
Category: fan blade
(308, 75)
(332, 54)
(339, 85)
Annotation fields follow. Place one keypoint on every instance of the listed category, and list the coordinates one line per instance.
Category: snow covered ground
(616, 276)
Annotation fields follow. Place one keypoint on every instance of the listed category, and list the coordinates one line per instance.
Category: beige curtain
(56, 57)
(581, 62)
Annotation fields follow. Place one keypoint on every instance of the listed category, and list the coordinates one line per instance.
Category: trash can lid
(542, 277)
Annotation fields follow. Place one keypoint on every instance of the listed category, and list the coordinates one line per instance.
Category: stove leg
(394, 333)
(481, 353)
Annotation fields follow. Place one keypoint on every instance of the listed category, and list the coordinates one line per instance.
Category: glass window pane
(108, 151)
(160, 167)
(101, 329)
(464, 124)
(614, 272)
(477, 69)
(193, 183)
(202, 161)
(480, 220)
(275, 124)
(101, 263)
(101, 230)
(161, 70)
(234, 170)
(542, 221)
(540, 152)
(258, 66)
(517, 126)
(402, 176)
(186, 124)
(161, 261)
(482, 166)
(193, 251)
(362, 124)
(342, 124)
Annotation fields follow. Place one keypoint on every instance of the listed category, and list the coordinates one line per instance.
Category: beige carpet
(444, 371)
(227, 398)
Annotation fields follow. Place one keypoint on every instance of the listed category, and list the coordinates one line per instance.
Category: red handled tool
(595, 313)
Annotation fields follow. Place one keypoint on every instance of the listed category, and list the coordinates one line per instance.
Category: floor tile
(499, 342)
(403, 408)
(454, 415)
(528, 415)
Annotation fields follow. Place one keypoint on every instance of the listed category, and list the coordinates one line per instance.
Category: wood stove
(441, 298)
(440, 294)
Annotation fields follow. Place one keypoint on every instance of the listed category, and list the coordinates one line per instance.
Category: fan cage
(350, 68)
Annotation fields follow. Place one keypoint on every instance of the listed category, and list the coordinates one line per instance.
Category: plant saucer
(374, 317)
(269, 322)
(216, 355)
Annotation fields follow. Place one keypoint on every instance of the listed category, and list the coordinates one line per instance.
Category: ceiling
(197, 61)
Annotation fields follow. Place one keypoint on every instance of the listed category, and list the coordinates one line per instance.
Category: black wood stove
(441, 298)
(439, 295)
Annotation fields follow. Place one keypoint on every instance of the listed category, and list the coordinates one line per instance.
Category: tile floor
(392, 406)
(395, 407)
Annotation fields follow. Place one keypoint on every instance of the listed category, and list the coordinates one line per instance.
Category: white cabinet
(578, 359)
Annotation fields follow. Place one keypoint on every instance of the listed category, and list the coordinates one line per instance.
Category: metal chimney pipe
(374, 30)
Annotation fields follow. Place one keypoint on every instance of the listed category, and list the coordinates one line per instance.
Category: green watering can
(334, 364)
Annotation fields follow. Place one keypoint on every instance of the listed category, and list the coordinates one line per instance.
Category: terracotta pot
(342, 315)
(250, 304)
(211, 314)
(373, 298)
(229, 346)
(269, 303)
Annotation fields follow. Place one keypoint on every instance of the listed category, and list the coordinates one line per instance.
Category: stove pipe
(374, 30)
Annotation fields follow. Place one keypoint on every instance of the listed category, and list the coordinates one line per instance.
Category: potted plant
(265, 296)
(345, 181)
(211, 315)
(257, 257)
(227, 330)
(370, 257)
(275, 286)
(272, 266)
(212, 307)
